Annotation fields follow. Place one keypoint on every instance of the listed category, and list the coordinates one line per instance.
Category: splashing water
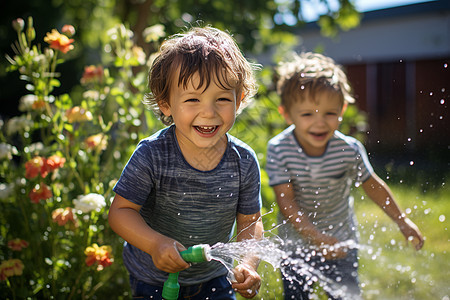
(271, 250)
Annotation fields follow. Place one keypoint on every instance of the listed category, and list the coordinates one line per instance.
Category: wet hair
(308, 74)
(208, 51)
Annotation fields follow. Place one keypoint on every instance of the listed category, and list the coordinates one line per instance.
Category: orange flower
(54, 162)
(64, 215)
(35, 166)
(96, 141)
(11, 267)
(100, 255)
(41, 165)
(92, 74)
(78, 114)
(38, 104)
(40, 192)
(17, 244)
(59, 41)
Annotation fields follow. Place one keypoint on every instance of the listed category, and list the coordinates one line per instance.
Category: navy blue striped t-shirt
(186, 204)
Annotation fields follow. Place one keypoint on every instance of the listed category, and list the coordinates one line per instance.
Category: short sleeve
(275, 167)
(136, 181)
(250, 187)
(365, 169)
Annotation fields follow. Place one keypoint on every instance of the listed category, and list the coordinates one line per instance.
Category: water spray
(194, 254)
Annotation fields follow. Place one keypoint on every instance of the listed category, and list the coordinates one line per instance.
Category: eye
(191, 100)
(305, 114)
(224, 99)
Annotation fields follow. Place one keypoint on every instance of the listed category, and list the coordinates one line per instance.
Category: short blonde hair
(208, 51)
(309, 73)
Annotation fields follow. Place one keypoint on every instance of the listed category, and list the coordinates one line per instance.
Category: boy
(189, 183)
(312, 167)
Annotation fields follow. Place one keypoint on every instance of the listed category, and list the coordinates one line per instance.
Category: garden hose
(194, 254)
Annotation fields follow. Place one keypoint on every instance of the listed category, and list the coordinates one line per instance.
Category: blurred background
(395, 52)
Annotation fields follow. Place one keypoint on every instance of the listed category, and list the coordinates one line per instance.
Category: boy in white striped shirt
(312, 166)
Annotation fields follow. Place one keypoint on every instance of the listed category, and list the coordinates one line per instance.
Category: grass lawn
(388, 268)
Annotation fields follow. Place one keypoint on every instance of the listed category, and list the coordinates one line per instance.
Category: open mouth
(318, 134)
(206, 129)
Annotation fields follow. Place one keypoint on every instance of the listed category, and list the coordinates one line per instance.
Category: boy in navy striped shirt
(312, 166)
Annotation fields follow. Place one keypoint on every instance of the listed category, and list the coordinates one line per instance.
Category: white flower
(18, 124)
(6, 190)
(26, 102)
(6, 151)
(89, 202)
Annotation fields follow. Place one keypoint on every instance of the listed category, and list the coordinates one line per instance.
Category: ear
(344, 108)
(284, 112)
(239, 100)
(165, 108)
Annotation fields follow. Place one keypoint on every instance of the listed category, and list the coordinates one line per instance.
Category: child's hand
(166, 255)
(412, 233)
(247, 282)
(330, 248)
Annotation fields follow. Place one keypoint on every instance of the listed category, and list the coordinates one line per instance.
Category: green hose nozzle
(194, 254)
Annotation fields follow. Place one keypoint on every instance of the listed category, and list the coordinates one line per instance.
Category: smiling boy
(188, 184)
(312, 167)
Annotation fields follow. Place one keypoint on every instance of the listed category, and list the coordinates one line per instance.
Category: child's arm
(292, 212)
(380, 193)
(125, 220)
(248, 280)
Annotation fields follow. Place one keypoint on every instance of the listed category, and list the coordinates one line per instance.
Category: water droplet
(445, 66)
(427, 211)
(411, 163)
(441, 218)
(431, 93)
(282, 195)
(442, 101)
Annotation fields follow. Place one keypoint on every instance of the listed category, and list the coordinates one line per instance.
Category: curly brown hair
(309, 73)
(208, 51)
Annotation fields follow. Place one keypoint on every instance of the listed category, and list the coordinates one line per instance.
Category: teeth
(206, 129)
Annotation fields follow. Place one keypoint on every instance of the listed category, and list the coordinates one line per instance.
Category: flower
(26, 102)
(64, 215)
(18, 124)
(35, 166)
(17, 244)
(96, 141)
(11, 267)
(100, 255)
(69, 30)
(92, 74)
(59, 41)
(6, 190)
(41, 165)
(78, 114)
(40, 192)
(89, 202)
(54, 162)
(6, 151)
(18, 24)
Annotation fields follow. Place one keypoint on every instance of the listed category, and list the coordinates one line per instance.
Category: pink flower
(69, 30)
(17, 244)
(40, 192)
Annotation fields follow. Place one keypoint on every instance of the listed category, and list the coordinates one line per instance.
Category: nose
(208, 110)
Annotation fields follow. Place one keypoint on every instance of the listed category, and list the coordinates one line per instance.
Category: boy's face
(315, 121)
(202, 116)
